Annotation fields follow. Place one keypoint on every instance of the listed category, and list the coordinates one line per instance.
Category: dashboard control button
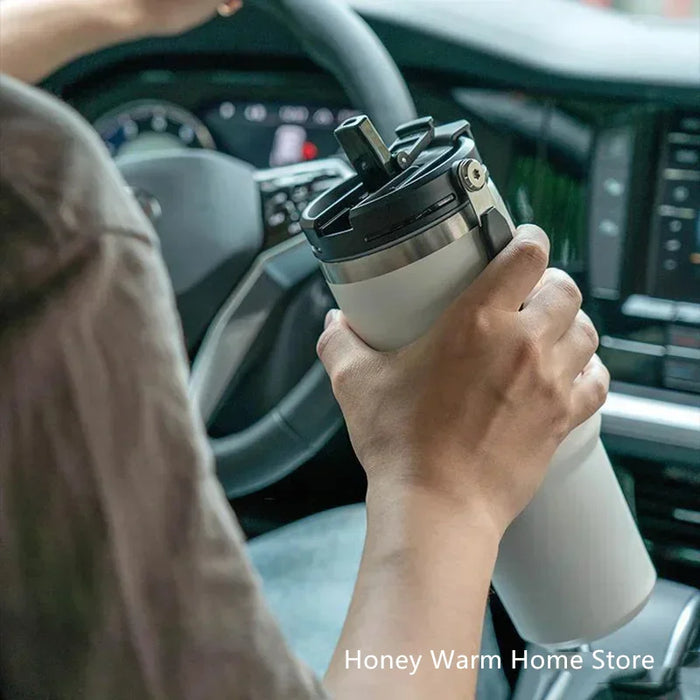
(684, 139)
(680, 193)
(684, 336)
(685, 157)
(641, 306)
(682, 374)
(682, 174)
(677, 212)
(614, 187)
(608, 227)
(690, 123)
(689, 313)
(672, 245)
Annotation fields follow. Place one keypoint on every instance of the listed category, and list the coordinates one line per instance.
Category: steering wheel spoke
(286, 261)
(243, 316)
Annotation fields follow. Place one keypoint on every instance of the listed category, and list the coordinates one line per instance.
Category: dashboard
(615, 183)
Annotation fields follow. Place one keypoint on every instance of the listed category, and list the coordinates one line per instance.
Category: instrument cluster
(264, 134)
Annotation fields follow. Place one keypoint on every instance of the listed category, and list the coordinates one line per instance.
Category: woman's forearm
(38, 37)
(422, 588)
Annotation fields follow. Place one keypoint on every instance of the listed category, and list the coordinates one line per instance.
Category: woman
(123, 570)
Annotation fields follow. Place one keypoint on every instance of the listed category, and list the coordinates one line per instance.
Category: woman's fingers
(552, 307)
(512, 274)
(589, 391)
(576, 347)
(340, 350)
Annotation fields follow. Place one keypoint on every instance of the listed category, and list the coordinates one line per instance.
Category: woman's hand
(172, 16)
(473, 411)
(40, 36)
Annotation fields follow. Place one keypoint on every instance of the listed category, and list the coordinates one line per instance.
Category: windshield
(665, 8)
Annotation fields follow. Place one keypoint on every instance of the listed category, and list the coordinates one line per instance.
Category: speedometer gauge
(148, 125)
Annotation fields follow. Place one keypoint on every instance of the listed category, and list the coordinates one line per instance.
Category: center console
(657, 654)
(674, 254)
(617, 188)
(644, 260)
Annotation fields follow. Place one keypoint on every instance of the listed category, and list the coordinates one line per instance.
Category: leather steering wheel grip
(340, 41)
(222, 324)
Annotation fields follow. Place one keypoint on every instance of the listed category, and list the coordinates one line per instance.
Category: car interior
(589, 121)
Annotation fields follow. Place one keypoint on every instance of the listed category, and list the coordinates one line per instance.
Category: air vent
(668, 511)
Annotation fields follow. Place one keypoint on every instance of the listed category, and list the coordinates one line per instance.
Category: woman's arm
(422, 588)
(455, 433)
(38, 37)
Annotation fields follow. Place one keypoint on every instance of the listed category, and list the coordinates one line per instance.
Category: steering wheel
(234, 288)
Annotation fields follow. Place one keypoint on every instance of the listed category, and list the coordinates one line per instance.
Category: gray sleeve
(123, 571)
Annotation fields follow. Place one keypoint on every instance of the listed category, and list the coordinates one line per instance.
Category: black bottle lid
(398, 192)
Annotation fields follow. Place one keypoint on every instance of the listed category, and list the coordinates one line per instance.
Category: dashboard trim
(649, 420)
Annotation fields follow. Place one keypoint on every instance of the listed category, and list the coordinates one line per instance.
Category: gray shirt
(123, 572)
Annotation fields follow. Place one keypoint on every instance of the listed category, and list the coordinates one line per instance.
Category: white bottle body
(572, 567)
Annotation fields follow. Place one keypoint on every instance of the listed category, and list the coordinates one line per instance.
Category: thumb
(339, 348)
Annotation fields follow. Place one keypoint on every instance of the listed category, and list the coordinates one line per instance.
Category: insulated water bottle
(397, 243)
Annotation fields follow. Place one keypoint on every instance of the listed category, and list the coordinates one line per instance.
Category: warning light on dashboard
(695, 258)
(309, 151)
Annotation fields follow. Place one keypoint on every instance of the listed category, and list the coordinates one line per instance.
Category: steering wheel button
(300, 193)
(276, 219)
(279, 198)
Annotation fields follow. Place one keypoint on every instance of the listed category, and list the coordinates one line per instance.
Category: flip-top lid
(398, 191)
